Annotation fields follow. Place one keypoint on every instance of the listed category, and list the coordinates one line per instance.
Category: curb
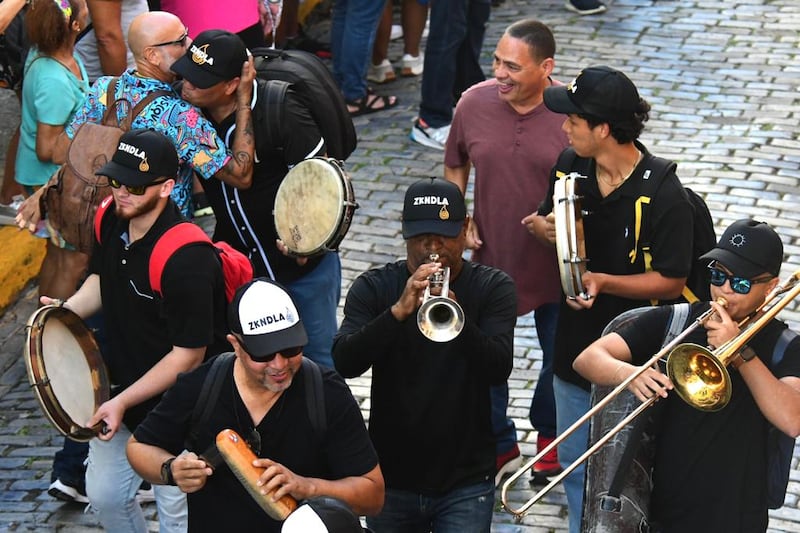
(20, 260)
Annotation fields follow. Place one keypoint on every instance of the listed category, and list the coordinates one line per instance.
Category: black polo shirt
(244, 216)
(140, 326)
(609, 238)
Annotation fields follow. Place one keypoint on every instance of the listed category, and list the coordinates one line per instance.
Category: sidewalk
(723, 80)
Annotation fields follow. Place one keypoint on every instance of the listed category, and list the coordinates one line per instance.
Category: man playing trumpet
(711, 467)
(430, 409)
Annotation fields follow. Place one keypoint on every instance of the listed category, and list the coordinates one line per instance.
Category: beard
(131, 212)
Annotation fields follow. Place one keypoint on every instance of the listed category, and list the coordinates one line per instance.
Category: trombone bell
(700, 377)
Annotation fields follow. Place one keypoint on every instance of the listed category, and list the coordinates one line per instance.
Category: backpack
(780, 446)
(212, 384)
(72, 199)
(236, 267)
(704, 237)
(315, 85)
(13, 51)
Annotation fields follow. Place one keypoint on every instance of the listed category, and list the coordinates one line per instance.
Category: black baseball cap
(433, 205)
(600, 91)
(322, 514)
(142, 157)
(748, 248)
(265, 319)
(213, 57)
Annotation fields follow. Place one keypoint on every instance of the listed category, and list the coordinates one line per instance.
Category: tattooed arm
(238, 171)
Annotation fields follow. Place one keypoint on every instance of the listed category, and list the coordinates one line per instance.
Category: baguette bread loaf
(239, 458)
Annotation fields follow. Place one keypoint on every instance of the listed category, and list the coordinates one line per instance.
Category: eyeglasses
(286, 353)
(136, 190)
(180, 41)
(738, 285)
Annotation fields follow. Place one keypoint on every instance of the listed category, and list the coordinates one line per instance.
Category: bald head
(151, 28)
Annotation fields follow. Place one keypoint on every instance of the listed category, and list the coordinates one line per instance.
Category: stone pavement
(723, 79)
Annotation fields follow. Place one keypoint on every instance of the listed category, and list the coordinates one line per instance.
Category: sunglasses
(136, 190)
(180, 41)
(738, 285)
(286, 353)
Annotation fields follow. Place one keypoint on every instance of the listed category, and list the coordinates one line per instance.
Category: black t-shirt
(609, 238)
(430, 409)
(141, 327)
(710, 467)
(287, 437)
(244, 216)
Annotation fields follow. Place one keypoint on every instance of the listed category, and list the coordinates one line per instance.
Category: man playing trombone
(710, 470)
(433, 362)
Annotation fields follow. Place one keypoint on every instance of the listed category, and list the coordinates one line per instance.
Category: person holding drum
(430, 416)
(700, 453)
(605, 116)
(244, 218)
(262, 396)
(151, 338)
(512, 169)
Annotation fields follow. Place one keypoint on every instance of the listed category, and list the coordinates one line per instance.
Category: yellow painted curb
(21, 256)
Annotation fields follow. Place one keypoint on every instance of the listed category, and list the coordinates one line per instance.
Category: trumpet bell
(440, 319)
(699, 377)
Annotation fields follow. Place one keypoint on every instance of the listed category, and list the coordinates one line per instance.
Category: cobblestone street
(723, 80)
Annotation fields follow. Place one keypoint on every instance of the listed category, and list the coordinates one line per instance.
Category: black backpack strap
(315, 397)
(271, 100)
(207, 399)
(785, 339)
(566, 159)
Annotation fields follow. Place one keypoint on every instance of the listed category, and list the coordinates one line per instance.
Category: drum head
(65, 369)
(570, 246)
(309, 206)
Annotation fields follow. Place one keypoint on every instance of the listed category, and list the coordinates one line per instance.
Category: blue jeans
(505, 433)
(353, 27)
(317, 295)
(111, 486)
(543, 406)
(452, 56)
(460, 510)
(572, 402)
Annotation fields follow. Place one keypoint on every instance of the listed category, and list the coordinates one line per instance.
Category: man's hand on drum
(110, 413)
(285, 251)
(474, 241)
(411, 299)
(190, 472)
(542, 227)
(283, 481)
(592, 286)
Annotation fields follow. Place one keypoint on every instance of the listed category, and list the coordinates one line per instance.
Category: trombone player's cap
(433, 205)
(265, 319)
(749, 248)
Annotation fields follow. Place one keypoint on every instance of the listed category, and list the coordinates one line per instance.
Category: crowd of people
(271, 359)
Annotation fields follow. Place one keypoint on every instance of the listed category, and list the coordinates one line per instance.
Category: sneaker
(67, 493)
(507, 464)
(413, 65)
(428, 136)
(396, 33)
(381, 73)
(548, 465)
(585, 7)
(8, 212)
(145, 493)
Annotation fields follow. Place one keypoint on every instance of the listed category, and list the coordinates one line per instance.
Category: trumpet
(439, 318)
(699, 376)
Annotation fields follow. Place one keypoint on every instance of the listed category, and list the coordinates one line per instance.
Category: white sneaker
(381, 73)
(67, 493)
(413, 65)
(397, 32)
(145, 493)
(8, 212)
(428, 136)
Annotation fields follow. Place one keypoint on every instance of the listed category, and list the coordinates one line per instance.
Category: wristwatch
(745, 354)
(166, 472)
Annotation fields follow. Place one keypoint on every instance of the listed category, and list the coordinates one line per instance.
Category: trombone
(698, 374)
(439, 318)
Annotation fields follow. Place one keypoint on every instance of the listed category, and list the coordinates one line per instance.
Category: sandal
(367, 104)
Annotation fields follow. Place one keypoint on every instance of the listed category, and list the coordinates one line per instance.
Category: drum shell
(570, 246)
(314, 207)
(65, 370)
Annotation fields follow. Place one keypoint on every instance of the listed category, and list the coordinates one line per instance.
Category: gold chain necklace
(615, 186)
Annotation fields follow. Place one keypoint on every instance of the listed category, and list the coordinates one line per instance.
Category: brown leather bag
(71, 200)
